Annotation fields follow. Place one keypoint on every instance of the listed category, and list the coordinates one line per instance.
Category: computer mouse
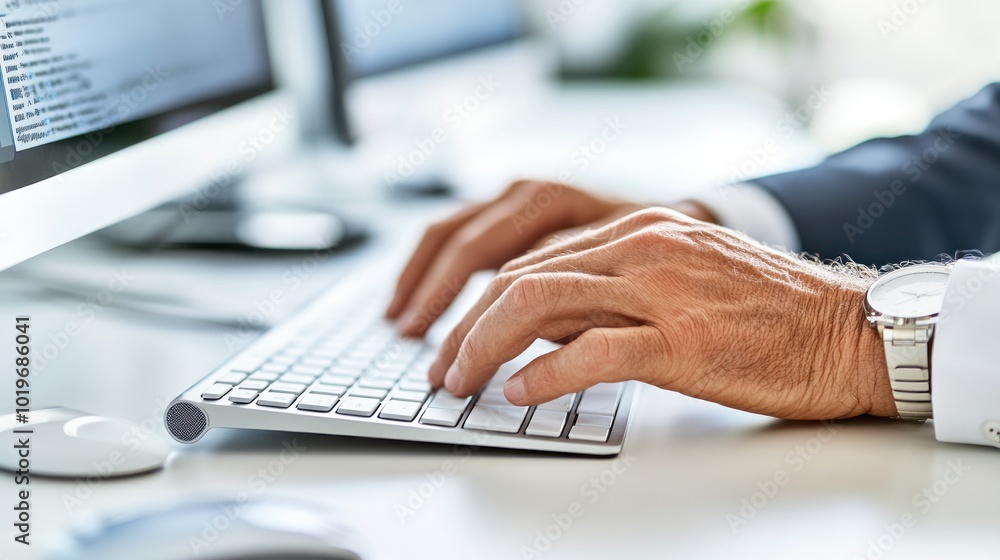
(269, 528)
(64, 442)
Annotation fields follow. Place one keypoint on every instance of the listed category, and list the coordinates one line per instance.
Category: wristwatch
(904, 305)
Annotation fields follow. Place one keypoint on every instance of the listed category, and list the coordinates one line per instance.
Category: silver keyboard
(338, 368)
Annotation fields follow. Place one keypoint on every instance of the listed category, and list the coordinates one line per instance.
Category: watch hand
(932, 292)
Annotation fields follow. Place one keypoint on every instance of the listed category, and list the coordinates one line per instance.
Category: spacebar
(507, 419)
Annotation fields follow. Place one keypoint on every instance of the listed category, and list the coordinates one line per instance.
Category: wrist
(871, 372)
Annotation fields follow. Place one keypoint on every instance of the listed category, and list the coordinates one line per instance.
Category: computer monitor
(111, 107)
(374, 37)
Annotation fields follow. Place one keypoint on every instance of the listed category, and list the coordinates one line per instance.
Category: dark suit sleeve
(906, 198)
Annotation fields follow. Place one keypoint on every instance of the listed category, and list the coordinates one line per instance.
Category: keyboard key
(600, 399)
(247, 364)
(358, 406)
(353, 363)
(254, 385)
(492, 399)
(295, 378)
(242, 396)
(231, 378)
(293, 388)
(505, 419)
(414, 396)
(546, 423)
(312, 362)
(444, 399)
(216, 392)
(303, 369)
(280, 359)
(276, 400)
(324, 389)
(376, 383)
(562, 404)
(317, 403)
(272, 367)
(400, 410)
(598, 420)
(369, 393)
(447, 417)
(589, 433)
(410, 385)
(345, 380)
(264, 376)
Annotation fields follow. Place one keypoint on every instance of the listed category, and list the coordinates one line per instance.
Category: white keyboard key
(414, 385)
(369, 393)
(562, 404)
(276, 400)
(264, 376)
(358, 406)
(447, 417)
(317, 403)
(352, 372)
(313, 365)
(295, 378)
(414, 396)
(492, 399)
(216, 392)
(293, 388)
(589, 433)
(345, 380)
(376, 383)
(303, 369)
(324, 389)
(598, 420)
(231, 378)
(405, 411)
(272, 367)
(247, 364)
(444, 399)
(279, 359)
(546, 423)
(599, 399)
(242, 396)
(254, 385)
(505, 419)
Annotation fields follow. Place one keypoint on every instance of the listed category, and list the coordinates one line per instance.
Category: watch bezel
(876, 317)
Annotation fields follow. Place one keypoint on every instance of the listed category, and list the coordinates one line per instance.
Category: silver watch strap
(907, 353)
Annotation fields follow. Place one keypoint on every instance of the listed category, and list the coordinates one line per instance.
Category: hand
(485, 236)
(681, 304)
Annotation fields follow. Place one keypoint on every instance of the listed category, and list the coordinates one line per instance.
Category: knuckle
(500, 284)
(526, 293)
(597, 348)
(544, 378)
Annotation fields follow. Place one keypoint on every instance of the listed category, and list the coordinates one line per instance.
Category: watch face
(910, 293)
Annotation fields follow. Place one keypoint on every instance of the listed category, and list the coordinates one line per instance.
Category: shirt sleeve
(755, 212)
(965, 364)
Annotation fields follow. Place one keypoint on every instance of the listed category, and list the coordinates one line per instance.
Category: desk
(696, 480)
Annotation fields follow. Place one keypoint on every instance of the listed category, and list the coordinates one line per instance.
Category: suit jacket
(908, 198)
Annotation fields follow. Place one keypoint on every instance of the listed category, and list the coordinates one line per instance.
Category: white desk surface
(695, 473)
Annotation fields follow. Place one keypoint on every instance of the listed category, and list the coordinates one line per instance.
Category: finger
(604, 355)
(592, 261)
(536, 306)
(570, 233)
(434, 238)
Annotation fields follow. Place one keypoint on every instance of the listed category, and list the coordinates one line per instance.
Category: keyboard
(337, 367)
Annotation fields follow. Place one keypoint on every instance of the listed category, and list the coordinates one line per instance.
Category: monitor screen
(85, 78)
(380, 35)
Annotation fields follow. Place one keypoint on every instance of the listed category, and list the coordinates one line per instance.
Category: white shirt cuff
(755, 212)
(965, 379)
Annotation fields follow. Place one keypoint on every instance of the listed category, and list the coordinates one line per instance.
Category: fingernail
(513, 389)
(451, 380)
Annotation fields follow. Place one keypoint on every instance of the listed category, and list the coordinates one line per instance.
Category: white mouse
(272, 528)
(69, 443)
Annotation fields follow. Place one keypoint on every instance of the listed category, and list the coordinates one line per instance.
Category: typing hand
(677, 303)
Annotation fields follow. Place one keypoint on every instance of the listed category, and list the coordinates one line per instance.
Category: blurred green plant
(668, 44)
